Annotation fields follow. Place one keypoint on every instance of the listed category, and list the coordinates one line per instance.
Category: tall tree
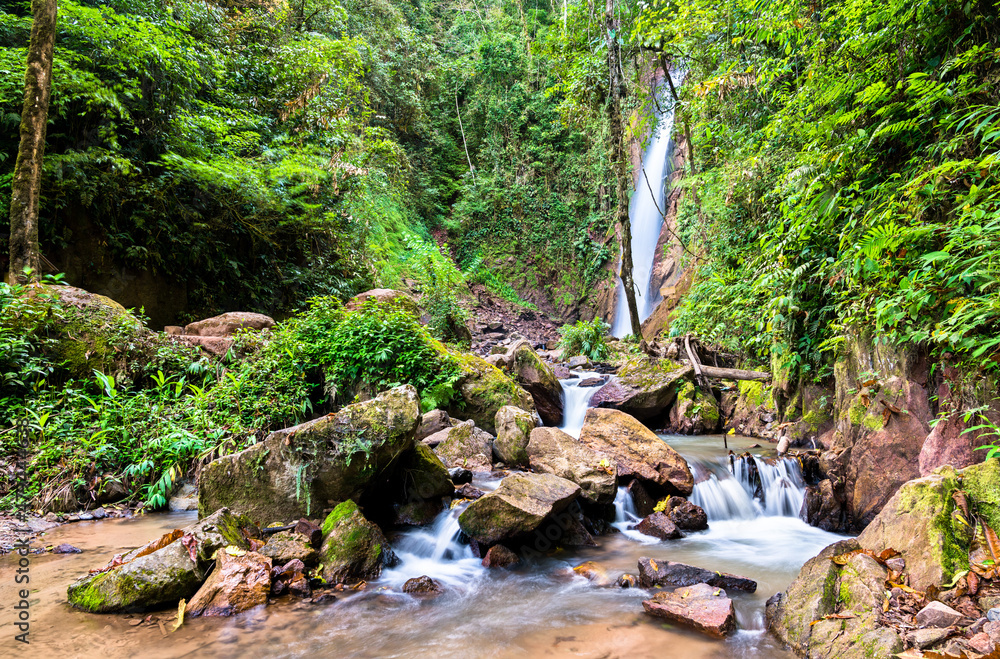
(27, 183)
(612, 29)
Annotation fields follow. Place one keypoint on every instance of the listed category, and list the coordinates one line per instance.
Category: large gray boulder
(161, 572)
(519, 506)
(644, 387)
(636, 452)
(552, 451)
(299, 471)
(464, 445)
(527, 368)
(514, 427)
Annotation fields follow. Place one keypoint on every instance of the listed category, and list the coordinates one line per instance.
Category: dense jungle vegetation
(844, 177)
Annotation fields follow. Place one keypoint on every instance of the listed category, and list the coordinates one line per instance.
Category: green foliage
(585, 338)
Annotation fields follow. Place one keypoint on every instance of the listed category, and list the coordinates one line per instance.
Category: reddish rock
(981, 643)
(238, 583)
(667, 573)
(216, 346)
(228, 324)
(469, 491)
(687, 516)
(499, 556)
(422, 586)
(311, 530)
(702, 607)
(659, 526)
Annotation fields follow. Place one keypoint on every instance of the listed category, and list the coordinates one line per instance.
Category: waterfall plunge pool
(537, 609)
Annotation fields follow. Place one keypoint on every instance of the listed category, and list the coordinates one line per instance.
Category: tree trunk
(618, 162)
(27, 183)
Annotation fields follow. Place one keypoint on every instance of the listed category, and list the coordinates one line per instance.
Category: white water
(576, 400)
(645, 215)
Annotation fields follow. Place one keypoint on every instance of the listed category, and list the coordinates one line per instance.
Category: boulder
(917, 522)
(423, 481)
(433, 422)
(594, 572)
(519, 506)
(465, 446)
(578, 361)
(185, 498)
(552, 451)
(468, 491)
(823, 507)
(354, 549)
(483, 390)
(667, 573)
(288, 546)
(499, 556)
(636, 452)
(514, 427)
(228, 324)
(299, 471)
(162, 572)
(422, 586)
(238, 583)
(659, 526)
(687, 516)
(384, 295)
(695, 412)
(538, 379)
(702, 607)
(460, 475)
(982, 482)
(644, 387)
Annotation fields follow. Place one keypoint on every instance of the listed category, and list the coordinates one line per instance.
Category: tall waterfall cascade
(647, 203)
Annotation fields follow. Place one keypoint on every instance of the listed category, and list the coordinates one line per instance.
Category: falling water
(750, 487)
(576, 400)
(646, 210)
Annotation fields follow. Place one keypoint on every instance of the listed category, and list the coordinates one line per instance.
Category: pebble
(66, 549)
(993, 615)
(937, 614)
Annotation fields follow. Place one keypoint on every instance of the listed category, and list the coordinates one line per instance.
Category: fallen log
(733, 373)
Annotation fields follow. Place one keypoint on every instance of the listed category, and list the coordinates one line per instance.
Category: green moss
(844, 597)
(815, 418)
(982, 482)
(857, 412)
(934, 502)
(755, 393)
(338, 514)
(873, 422)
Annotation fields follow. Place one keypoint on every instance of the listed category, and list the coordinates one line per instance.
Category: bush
(585, 338)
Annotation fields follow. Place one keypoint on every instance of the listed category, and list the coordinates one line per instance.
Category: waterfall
(576, 400)
(748, 487)
(647, 221)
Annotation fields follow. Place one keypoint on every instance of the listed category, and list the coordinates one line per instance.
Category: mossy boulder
(917, 522)
(483, 389)
(299, 471)
(514, 427)
(518, 507)
(465, 446)
(287, 546)
(636, 452)
(423, 482)
(644, 387)
(385, 295)
(982, 482)
(754, 409)
(538, 379)
(354, 549)
(147, 579)
(552, 451)
(695, 412)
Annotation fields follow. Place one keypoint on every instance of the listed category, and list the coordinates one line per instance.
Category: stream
(540, 608)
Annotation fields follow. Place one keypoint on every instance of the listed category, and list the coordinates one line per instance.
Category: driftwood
(733, 373)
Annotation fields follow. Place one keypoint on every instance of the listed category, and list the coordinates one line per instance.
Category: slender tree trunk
(27, 183)
(618, 162)
(464, 143)
(678, 108)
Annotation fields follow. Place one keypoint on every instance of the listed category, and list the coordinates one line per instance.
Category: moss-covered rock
(519, 506)
(163, 576)
(695, 412)
(644, 387)
(299, 471)
(483, 390)
(354, 549)
(422, 481)
(466, 446)
(552, 451)
(287, 546)
(538, 379)
(982, 482)
(514, 427)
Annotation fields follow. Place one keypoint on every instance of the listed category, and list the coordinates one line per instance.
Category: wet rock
(917, 523)
(283, 576)
(636, 452)
(514, 427)
(156, 575)
(66, 549)
(238, 583)
(644, 504)
(100, 513)
(552, 451)
(593, 572)
(354, 549)
(228, 324)
(688, 516)
(592, 382)
(643, 388)
(311, 531)
(538, 379)
(422, 586)
(460, 475)
(518, 506)
(695, 412)
(287, 546)
(627, 581)
(466, 446)
(468, 491)
(659, 526)
(937, 614)
(824, 508)
(186, 498)
(702, 607)
(667, 573)
(302, 470)
(423, 481)
(499, 556)
(578, 361)
(433, 422)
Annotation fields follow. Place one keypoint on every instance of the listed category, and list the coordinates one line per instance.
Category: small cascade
(576, 400)
(748, 487)
(627, 516)
(435, 551)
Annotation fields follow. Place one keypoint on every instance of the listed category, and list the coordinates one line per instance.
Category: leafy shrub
(585, 338)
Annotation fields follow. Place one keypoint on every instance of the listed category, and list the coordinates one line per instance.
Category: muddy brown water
(538, 610)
